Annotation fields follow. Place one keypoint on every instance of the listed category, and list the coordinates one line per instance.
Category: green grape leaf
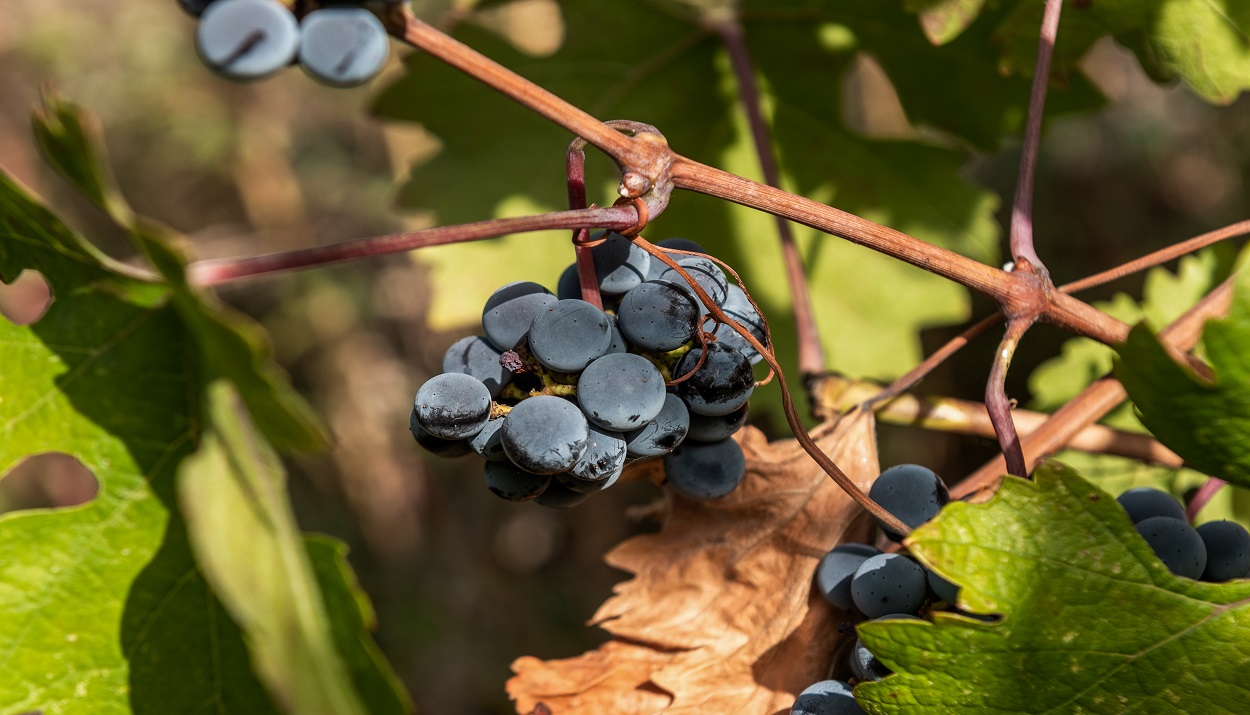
(105, 607)
(944, 20)
(236, 347)
(1206, 422)
(1090, 620)
(1203, 43)
(232, 493)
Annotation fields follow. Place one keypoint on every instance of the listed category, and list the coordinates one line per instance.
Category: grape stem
(1021, 234)
(997, 403)
(1095, 401)
(215, 272)
(839, 395)
(1205, 493)
(575, 169)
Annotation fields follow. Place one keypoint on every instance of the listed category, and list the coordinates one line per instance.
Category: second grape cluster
(558, 395)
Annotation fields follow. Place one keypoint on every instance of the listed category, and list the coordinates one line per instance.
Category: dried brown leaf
(721, 616)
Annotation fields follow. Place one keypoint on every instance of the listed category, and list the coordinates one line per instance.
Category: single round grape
(837, 568)
(864, 664)
(828, 697)
(508, 481)
(568, 334)
(912, 493)
(1228, 550)
(475, 356)
(621, 391)
(703, 470)
(1177, 545)
(569, 287)
(678, 244)
(618, 344)
(723, 384)
(1141, 503)
(438, 446)
(453, 405)
(558, 496)
(619, 264)
(604, 458)
(943, 589)
(740, 309)
(510, 310)
(195, 8)
(664, 433)
(705, 272)
(343, 46)
(247, 39)
(488, 443)
(888, 583)
(658, 316)
(705, 428)
(545, 434)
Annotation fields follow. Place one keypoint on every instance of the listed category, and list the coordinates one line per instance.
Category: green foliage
(1165, 296)
(1091, 620)
(118, 606)
(1206, 422)
(1201, 43)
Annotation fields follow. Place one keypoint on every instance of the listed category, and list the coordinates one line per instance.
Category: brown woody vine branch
(1095, 401)
(967, 417)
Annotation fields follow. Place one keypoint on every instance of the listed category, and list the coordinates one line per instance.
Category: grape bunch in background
(243, 40)
(558, 396)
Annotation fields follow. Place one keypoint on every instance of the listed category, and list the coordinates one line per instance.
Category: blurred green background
(463, 583)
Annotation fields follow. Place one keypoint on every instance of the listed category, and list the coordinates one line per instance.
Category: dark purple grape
(1177, 545)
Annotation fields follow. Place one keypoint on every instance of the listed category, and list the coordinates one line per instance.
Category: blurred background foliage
(463, 583)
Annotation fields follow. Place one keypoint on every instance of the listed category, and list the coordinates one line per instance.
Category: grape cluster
(341, 45)
(1215, 551)
(558, 396)
(860, 579)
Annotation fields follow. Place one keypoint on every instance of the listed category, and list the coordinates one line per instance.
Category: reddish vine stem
(997, 403)
(1205, 493)
(1159, 257)
(1095, 401)
(811, 352)
(918, 373)
(214, 272)
(1022, 207)
(575, 170)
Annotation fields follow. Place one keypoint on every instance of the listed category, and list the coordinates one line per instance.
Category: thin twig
(811, 352)
(208, 273)
(1095, 401)
(997, 403)
(1205, 493)
(575, 170)
(1159, 257)
(919, 372)
(1022, 207)
(967, 417)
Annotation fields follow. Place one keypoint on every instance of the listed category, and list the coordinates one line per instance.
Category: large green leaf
(1205, 422)
(1202, 42)
(103, 607)
(1091, 620)
(232, 493)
